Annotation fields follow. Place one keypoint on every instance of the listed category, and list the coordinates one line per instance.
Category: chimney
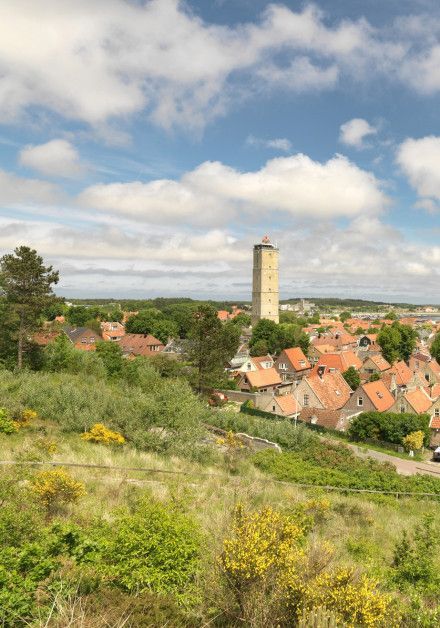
(321, 371)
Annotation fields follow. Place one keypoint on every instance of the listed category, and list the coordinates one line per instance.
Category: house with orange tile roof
(415, 401)
(368, 342)
(340, 361)
(330, 419)
(145, 345)
(256, 363)
(282, 405)
(323, 390)
(292, 364)
(434, 424)
(374, 364)
(316, 351)
(426, 366)
(82, 338)
(112, 331)
(262, 380)
(369, 397)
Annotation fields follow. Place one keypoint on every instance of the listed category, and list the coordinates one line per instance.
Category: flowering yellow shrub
(413, 441)
(356, 602)
(56, 488)
(231, 441)
(26, 417)
(101, 434)
(262, 542)
(47, 445)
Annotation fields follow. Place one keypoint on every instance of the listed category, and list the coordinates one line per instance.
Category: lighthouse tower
(265, 291)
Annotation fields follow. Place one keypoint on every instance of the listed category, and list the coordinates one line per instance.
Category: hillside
(163, 546)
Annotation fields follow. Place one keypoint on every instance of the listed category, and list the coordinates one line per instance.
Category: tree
(152, 321)
(111, 355)
(391, 316)
(78, 315)
(212, 344)
(397, 342)
(344, 316)
(27, 286)
(435, 347)
(265, 330)
(277, 337)
(242, 320)
(352, 378)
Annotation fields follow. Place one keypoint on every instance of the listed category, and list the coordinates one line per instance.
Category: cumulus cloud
(419, 159)
(353, 132)
(16, 190)
(96, 61)
(214, 194)
(57, 158)
(278, 143)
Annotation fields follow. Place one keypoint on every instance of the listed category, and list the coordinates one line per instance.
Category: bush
(413, 441)
(156, 548)
(7, 425)
(388, 426)
(101, 434)
(56, 488)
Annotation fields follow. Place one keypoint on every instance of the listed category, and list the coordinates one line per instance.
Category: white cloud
(353, 132)
(419, 159)
(19, 191)
(57, 158)
(215, 194)
(278, 143)
(95, 64)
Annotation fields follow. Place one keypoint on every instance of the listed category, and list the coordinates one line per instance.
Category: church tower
(265, 292)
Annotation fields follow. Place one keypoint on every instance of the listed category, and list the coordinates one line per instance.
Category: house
(330, 419)
(261, 380)
(368, 342)
(426, 366)
(112, 331)
(340, 361)
(44, 337)
(145, 345)
(369, 397)
(282, 405)
(434, 424)
(316, 351)
(256, 364)
(323, 390)
(415, 401)
(82, 338)
(374, 364)
(292, 364)
(224, 315)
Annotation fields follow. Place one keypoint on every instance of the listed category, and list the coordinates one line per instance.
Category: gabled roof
(324, 348)
(402, 372)
(435, 391)
(435, 366)
(380, 362)
(418, 400)
(288, 404)
(263, 378)
(76, 333)
(259, 360)
(379, 395)
(331, 389)
(139, 344)
(340, 361)
(321, 416)
(297, 358)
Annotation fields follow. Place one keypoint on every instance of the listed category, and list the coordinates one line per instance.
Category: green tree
(391, 316)
(242, 320)
(265, 330)
(111, 356)
(397, 342)
(292, 336)
(352, 377)
(374, 377)
(259, 348)
(26, 284)
(58, 355)
(435, 347)
(78, 315)
(344, 316)
(212, 344)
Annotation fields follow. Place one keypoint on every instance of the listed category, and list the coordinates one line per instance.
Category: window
(92, 339)
(302, 363)
(402, 409)
(360, 401)
(273, 408)
(306, 400)
(437, 412)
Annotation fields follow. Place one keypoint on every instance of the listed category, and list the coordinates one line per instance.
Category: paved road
(404, 467)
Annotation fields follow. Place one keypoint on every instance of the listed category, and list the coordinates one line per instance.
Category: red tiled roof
(418, 400)
(140, 344)
(435, 391)
(288, 404)
(379, 395)
(435, 423)
(380, 362)
(43, 338)
(260, 359)
(331, 389)
(297, 358)
(340, 361)
(324, 417)
(402, 372)
(223, 315)
(263, 378)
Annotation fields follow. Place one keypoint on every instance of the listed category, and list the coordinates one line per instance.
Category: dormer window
(360, 401)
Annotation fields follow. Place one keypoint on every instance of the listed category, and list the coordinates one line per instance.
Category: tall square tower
(265, 290)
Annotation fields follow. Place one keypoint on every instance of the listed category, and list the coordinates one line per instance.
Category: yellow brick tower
(265, 292)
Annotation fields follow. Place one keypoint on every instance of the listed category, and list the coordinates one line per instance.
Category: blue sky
(145, 146)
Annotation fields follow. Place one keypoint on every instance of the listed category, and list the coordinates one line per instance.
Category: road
(404, 467)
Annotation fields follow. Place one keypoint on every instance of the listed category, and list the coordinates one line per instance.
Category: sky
(145, 146)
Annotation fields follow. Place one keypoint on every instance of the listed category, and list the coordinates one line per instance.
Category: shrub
(7, 425)
(413, 561)
(101, 434)
(56, 488)
(413, 441)
(154, 549)
(389, 426)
